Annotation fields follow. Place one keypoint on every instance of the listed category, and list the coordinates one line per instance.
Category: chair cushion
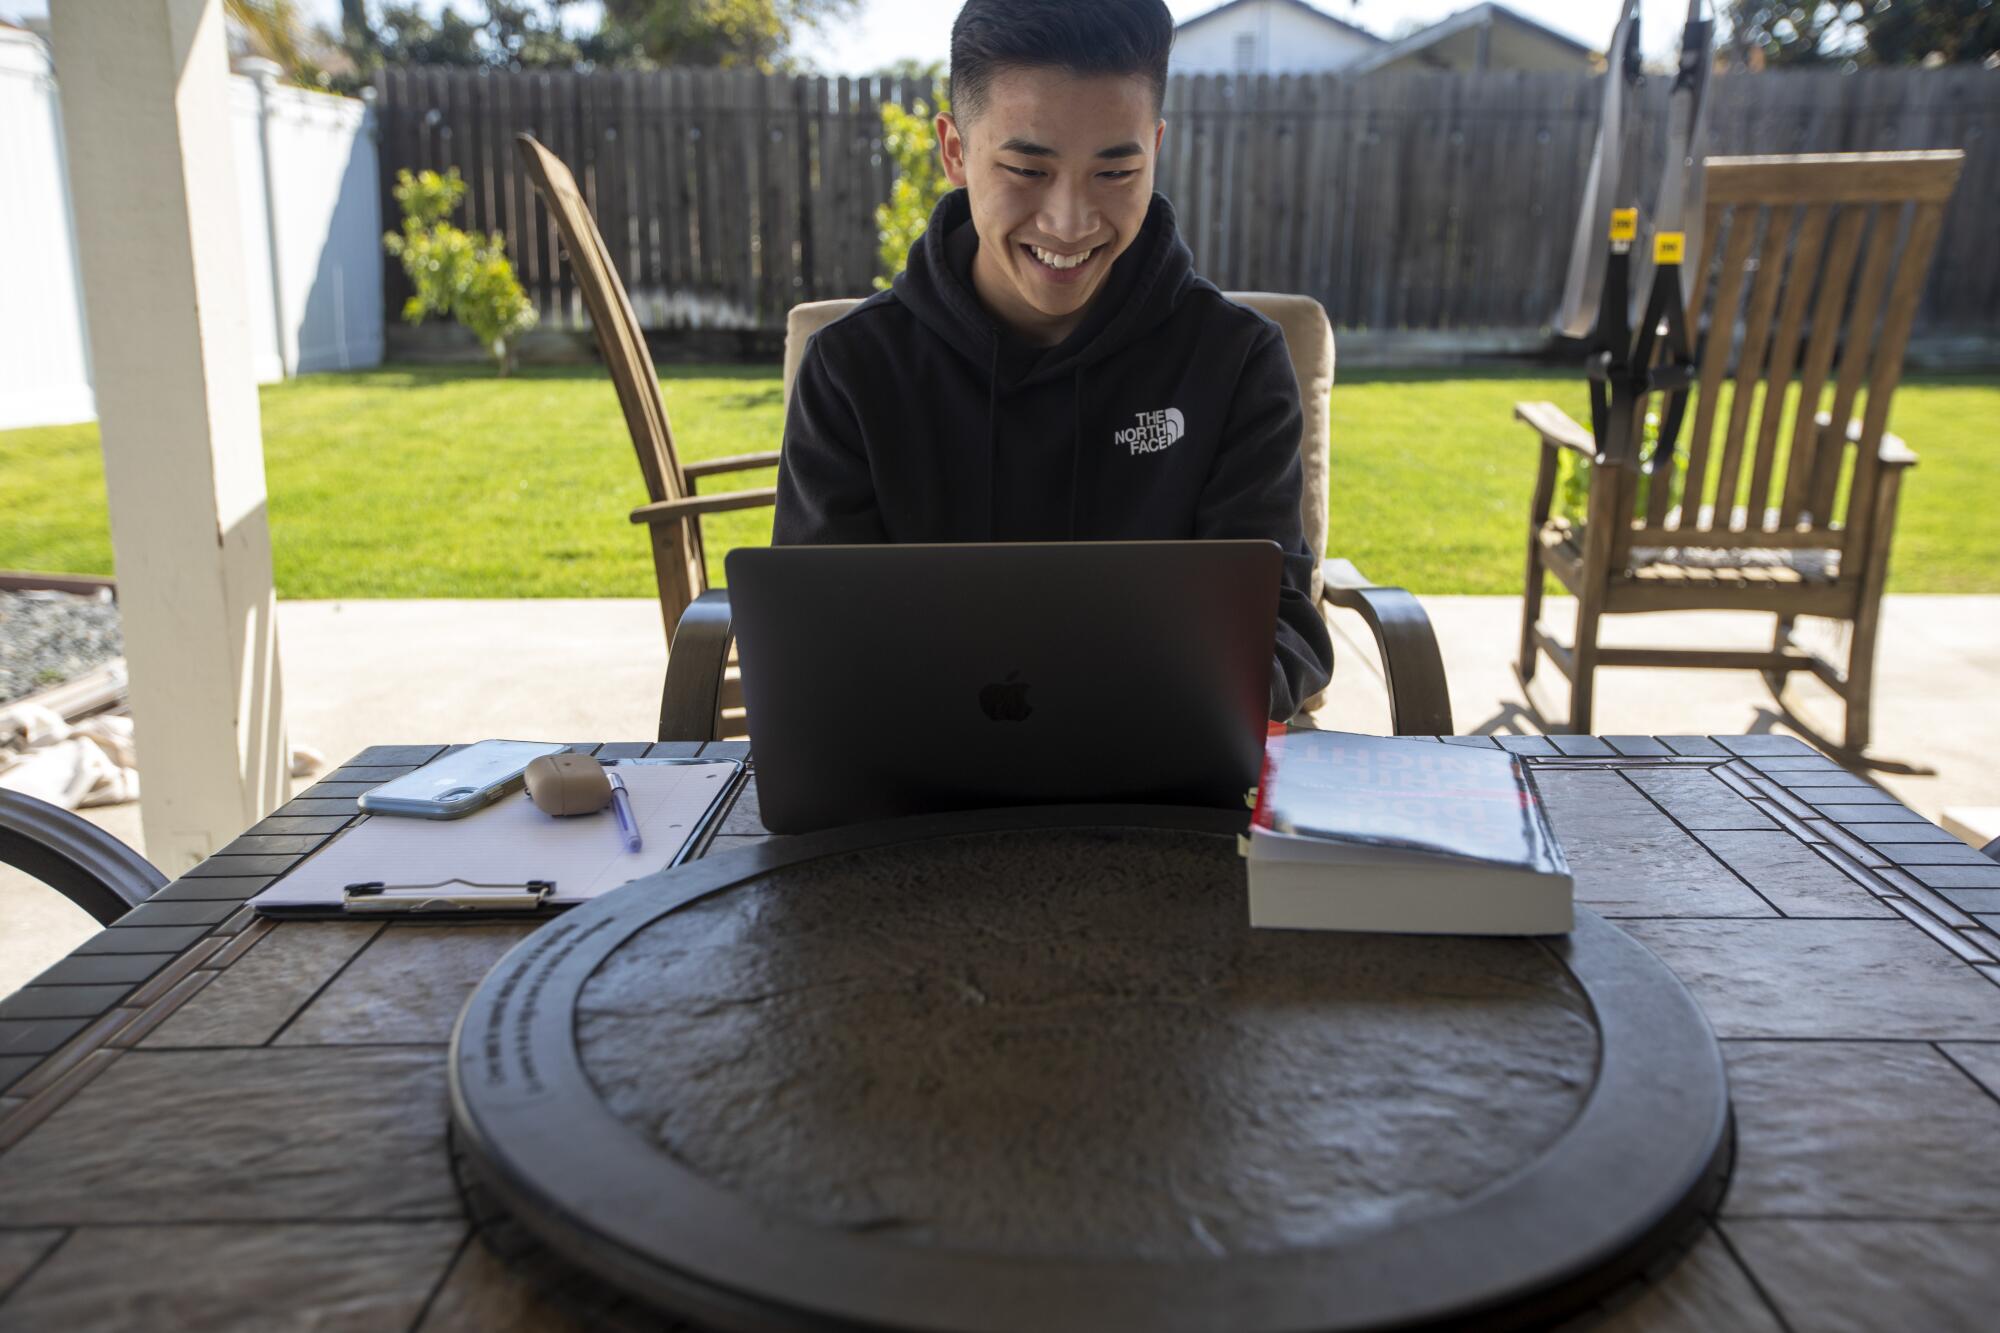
(800, 325)
(1727, 564)
(1309, 340)
(1755, 564)
(1706, 566)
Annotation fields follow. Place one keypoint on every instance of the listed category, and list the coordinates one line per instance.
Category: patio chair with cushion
(1815, 266)
(74, 857)
(703, 696)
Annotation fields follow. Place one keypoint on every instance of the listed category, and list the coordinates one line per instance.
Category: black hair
(1132, 37)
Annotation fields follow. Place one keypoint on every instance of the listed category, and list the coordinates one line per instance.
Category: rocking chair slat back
(1830, 456)
(1769, 253)
(1781, 305)
(1715, 350)
(1835, 283)
(1888, 347)
(1784, 355)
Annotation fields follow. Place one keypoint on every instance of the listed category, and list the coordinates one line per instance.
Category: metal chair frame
(74, 857)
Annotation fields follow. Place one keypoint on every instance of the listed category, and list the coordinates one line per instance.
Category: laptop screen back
(893, 680)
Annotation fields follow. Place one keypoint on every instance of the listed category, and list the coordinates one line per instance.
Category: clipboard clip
(375, 897)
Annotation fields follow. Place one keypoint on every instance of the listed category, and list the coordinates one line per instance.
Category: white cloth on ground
(72, 765)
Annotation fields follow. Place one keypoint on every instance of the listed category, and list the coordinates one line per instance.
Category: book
(1379, 834)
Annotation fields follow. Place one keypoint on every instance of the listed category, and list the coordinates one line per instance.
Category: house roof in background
(1464, 19)
(1313, 10)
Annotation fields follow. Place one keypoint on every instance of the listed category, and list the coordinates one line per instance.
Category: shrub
(464, 274)
(911, 143)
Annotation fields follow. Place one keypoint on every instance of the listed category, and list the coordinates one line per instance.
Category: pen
(621, 805)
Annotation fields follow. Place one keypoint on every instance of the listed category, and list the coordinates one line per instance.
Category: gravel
(47, 638)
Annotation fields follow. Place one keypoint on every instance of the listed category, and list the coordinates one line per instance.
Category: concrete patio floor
(363, 673)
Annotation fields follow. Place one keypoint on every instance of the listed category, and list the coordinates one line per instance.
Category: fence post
(804, 95)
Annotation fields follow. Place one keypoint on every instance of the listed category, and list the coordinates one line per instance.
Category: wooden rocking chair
(1792, 510)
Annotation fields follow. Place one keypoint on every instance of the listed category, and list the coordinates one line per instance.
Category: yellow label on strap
(1669, 247)
(1624, 224)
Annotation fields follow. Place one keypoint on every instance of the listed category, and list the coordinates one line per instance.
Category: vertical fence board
(740, 238)
(698, 101)
(683, 150)
(780, 190)
(669, 192)
(808, 96)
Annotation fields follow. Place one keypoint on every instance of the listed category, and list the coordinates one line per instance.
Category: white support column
(145, 104)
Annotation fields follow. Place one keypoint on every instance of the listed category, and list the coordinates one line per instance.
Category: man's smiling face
(1058, 168)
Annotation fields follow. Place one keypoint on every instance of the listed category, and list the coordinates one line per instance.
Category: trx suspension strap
(1629, 360)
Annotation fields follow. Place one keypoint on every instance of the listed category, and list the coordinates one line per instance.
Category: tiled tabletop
(211, 1119)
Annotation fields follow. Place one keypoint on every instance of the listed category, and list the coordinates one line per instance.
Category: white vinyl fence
(44, 361)
(311, 235)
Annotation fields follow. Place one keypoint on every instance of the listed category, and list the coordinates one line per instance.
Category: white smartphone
(458, 783)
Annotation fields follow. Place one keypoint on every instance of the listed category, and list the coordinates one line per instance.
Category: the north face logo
(1151, 432)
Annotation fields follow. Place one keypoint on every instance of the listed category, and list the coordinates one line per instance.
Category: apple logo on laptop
(1006, 700)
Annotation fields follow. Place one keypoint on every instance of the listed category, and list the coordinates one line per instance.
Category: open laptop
(896, 680)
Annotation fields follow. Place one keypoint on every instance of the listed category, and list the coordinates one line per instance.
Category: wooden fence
(1430, 201)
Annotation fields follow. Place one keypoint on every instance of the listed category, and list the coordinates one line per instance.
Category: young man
(1049, 367)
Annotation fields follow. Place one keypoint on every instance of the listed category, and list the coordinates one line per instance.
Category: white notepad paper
(511, 842)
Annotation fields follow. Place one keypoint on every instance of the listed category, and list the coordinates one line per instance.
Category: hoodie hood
(1138, 296)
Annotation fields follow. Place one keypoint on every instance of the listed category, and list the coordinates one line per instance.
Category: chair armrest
(1419, 699)
(73, 856)
(739, 463)
(693, 506)
(1891, 451)
(692, 700)
(1555, 427)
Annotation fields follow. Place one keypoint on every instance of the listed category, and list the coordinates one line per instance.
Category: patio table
(211, 1119)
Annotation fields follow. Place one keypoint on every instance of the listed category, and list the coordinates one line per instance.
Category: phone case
(458, 783)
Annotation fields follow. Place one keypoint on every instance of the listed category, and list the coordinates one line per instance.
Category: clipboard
(509, 859)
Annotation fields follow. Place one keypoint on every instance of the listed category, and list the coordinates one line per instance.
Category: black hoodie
(1169, 413)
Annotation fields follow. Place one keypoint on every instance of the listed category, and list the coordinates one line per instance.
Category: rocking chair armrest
(710, 467)
(692, 699)
(1419, 698)
(1556, 428)
(694, 506)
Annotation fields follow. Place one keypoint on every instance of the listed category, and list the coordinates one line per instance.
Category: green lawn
(445, 482)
